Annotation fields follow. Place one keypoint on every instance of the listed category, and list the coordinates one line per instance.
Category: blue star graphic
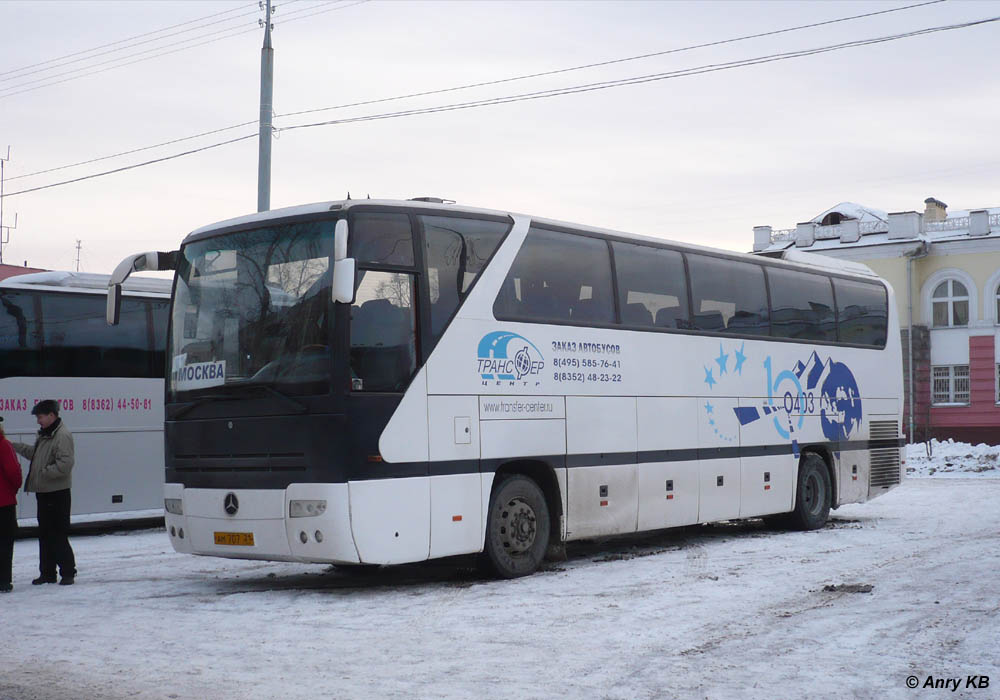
(711, 421)
(709, 408)
(722, 359)
(709, 379)
(740, 359)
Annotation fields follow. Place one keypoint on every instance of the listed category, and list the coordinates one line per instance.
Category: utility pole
(266, 109)
(4, 230)
(78, 246)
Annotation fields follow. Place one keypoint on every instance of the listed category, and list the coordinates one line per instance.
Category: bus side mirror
(344, 268)
(134, 263)
(340, 240)
(114, 304)
(343, 280)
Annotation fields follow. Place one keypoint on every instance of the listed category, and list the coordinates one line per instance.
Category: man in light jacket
(50, 478)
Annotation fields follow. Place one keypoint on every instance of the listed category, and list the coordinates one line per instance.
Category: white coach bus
(391, 381)
(55, 344)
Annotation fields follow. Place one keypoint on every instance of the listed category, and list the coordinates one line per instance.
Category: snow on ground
(724, 611)
(952, 459)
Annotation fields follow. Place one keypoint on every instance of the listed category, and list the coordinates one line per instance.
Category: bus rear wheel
(517, 528)
(813, 495)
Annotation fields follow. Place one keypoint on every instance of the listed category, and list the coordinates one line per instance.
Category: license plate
(239, 539)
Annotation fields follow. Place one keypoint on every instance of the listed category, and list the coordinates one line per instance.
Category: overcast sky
(701, 158)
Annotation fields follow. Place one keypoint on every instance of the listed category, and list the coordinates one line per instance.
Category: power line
(493, 82)
(122, 41)
(136, 165)
(610, 62)
(637, 80)
(13, 89)
(48, 81)
(320, 12)
(56, 63)
(590, 87)
(227, 31)
(135, 150)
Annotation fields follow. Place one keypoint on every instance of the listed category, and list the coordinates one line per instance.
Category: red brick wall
(980, 420)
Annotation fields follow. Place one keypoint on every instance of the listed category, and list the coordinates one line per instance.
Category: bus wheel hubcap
(812, 494)
(517, 526)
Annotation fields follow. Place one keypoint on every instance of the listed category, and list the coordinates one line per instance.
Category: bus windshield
(253, 309)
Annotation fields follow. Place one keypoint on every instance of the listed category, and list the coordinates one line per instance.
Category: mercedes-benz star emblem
(231, 504)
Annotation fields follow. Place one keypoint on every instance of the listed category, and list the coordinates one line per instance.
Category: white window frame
(950, 299)
(953, 374)
(931, 283)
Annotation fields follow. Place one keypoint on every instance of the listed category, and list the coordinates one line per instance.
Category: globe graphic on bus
(841, 403)
(522, 362)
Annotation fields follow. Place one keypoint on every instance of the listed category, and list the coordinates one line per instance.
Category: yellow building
(945, 269)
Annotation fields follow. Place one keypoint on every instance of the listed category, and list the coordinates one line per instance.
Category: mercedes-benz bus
(383, 382)
(55, 344)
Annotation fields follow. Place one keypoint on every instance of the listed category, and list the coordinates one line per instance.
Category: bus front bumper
(254, 523)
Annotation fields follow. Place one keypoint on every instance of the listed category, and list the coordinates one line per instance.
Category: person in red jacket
(10, 482)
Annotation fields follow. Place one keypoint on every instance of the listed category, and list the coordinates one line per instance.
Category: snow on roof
(86, 280)
(850, 210)
(962, 213)
(875, 230)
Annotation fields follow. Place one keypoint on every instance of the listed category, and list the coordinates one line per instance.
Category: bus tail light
(306, 509)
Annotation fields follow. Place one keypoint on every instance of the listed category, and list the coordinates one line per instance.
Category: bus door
(389, 501)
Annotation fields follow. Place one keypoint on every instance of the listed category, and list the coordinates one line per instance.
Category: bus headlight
(306, 509)
(173, 506)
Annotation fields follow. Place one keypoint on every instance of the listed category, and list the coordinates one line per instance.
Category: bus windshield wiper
(207, 398)
(301, 407)
(236, 395)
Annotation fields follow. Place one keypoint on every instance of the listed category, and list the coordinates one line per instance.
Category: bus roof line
(791, 256)
(69, 281)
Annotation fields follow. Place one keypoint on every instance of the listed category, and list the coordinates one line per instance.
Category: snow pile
(952, 459)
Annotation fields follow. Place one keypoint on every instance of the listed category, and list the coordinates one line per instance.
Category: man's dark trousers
(53, 535)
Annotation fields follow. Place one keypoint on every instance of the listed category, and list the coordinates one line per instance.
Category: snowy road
(731, 611)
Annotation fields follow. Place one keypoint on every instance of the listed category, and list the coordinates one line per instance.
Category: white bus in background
(437, 380)
(56, 344)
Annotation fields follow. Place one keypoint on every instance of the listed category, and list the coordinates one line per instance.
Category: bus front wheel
(813, 494)
(517, 528)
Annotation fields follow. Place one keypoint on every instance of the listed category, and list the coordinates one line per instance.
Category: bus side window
(508, 301)
(382, 238)
(78, 342)
(457, 250)
(801, 305)
(652, 286)
(19, 333)
(863, 312)
(157, 316)
(729, 296)
(558, 277)
(383, 332)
